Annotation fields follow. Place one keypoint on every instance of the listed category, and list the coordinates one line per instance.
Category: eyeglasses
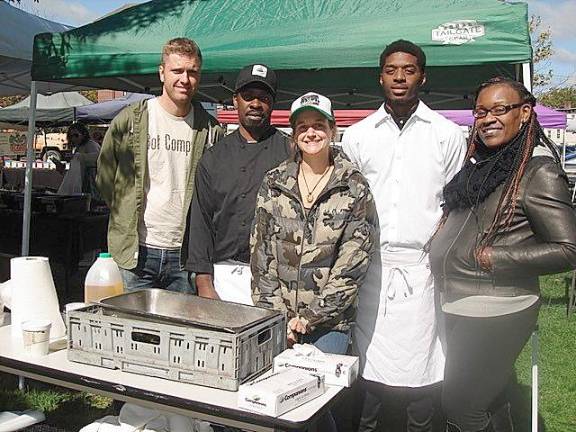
(497, 110)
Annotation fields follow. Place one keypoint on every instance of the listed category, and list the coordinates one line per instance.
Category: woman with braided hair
(508, 218)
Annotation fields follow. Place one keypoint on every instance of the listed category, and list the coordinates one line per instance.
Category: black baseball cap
(257, 73)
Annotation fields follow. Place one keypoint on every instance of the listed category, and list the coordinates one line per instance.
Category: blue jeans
(329, 341)
(158, 268)
(333, 342)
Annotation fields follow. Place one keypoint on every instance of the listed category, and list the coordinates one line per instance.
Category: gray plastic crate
(115, 337)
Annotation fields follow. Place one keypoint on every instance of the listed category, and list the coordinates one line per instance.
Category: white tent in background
(17, 31)
(59, 108)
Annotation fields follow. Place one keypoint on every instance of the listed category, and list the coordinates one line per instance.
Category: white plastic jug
(103, 279)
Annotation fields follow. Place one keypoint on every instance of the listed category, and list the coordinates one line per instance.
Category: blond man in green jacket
(146, 173)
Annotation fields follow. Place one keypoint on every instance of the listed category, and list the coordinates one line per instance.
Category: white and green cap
(313, 101)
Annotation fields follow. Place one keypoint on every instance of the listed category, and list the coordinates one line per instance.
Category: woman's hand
(292, 338)
(296, 326)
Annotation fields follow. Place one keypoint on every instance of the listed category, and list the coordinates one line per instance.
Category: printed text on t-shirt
(169, 144)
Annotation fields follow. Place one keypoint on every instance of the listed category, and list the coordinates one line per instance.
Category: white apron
(396, 333)
(232, 282)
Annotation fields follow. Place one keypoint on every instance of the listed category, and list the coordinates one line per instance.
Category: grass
(557, 374)
(65, 409)
(556, 363)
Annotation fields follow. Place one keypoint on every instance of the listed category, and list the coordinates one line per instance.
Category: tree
(564, 97)
(542, 52)
(10, 100)
(5, 101)
(91, 95)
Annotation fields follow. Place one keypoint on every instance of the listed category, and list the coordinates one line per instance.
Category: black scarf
(482, 174)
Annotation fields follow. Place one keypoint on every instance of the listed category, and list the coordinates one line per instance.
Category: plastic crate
(104, 336)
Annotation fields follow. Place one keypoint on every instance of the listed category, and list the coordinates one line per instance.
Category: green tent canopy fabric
(332, 47)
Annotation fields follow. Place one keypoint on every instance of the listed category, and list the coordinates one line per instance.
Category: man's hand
(205, 286)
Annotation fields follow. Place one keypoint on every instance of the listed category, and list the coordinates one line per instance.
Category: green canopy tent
(328, 46)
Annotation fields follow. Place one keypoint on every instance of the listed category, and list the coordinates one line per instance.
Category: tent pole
(527, 76)
(517, 71)
(30, 157)
(564, 149)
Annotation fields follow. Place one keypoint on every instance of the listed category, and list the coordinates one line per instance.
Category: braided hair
(531, 135)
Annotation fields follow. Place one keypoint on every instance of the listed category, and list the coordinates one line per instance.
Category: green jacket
(122, 168)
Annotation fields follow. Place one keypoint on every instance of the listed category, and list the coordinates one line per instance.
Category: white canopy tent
(17, 31)
(55, 109)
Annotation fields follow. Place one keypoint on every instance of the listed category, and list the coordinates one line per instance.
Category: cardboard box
(279, 392)
(340, 370)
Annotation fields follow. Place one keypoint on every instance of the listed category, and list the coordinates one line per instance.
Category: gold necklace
(310, 196)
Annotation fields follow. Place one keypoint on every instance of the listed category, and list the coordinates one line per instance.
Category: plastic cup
(36, 337)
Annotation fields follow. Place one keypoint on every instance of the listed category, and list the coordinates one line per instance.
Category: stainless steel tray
(189, 309)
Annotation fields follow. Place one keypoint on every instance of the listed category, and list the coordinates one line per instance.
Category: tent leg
(564, 149)
(527, 76)
(535, 380)
(30, 157)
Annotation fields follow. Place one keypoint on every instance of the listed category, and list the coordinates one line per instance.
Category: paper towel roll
(34, 295)
(6, 294)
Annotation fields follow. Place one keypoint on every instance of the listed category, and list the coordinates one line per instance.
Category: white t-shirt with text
(170, 144)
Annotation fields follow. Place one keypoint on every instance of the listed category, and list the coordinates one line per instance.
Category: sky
(559, 15)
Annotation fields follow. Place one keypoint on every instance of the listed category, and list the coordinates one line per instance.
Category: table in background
(204, 403)
(13, 178)
(63, 239)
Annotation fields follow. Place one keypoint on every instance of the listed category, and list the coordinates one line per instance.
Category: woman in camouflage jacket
(313, 233)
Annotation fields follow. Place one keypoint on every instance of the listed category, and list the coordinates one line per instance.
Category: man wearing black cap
(228, 178)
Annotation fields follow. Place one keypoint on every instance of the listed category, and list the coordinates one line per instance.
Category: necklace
(310, 196)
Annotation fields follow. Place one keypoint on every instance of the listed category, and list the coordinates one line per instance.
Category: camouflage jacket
(312, 265)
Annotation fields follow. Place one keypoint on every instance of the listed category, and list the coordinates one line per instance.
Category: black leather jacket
(541, 239)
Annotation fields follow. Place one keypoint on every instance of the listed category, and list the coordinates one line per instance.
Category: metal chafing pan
(189, 309)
